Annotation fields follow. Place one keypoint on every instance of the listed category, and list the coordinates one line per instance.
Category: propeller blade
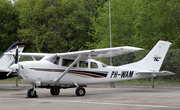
(9, 73)
(16, 56)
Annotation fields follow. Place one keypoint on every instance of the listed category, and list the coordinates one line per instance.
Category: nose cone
(14, 67)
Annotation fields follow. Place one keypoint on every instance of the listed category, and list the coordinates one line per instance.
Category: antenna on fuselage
(80, 48)
(70, 49)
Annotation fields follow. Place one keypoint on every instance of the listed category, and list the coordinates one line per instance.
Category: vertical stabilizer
(153, 59)
(7, 60)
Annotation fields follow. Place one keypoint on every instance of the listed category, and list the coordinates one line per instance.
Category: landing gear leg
(32, 92)
(80, 91)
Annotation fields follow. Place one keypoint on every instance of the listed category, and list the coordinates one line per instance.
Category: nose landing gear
(31, 93)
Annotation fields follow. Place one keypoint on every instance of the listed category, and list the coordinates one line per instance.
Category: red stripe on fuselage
(92, 75)
(86, 74)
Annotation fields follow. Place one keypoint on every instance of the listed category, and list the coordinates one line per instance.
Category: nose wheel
(80, 91)
(31, 93)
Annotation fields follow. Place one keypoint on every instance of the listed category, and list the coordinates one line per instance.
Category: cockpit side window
(68, 62)
(94, 65)
(83, 64)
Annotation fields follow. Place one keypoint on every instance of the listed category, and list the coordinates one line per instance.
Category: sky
(12, 1)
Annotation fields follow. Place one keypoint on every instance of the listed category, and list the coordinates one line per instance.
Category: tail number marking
(124, 74)
(127, 74)
(114, 74)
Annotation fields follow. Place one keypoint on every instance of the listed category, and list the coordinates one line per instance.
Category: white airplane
(78, 69)
(7, 61)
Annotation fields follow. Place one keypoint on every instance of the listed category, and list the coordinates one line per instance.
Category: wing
(88, 54)
(100, 53)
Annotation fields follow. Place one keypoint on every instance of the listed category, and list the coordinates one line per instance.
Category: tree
(56, 25)
(158, 19)
(8, 24)
(123, 14)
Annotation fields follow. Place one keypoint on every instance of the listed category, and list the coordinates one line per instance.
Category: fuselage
(84, 72)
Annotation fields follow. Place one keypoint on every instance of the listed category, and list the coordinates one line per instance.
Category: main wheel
(31, 93)
(55, 91)
(80, 91)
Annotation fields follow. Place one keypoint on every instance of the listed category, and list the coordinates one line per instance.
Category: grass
(157, 80)
(12, 80)
(148, 81)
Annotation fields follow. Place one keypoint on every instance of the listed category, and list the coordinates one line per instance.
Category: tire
(80, 91)
(31, 94)
(54, 91)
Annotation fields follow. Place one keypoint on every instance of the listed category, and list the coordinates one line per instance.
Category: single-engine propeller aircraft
(78, 69)
(7, 61)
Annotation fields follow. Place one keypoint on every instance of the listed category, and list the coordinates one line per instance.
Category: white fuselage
(45, 72)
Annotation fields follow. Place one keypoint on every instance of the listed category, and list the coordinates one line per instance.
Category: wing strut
(67, 69)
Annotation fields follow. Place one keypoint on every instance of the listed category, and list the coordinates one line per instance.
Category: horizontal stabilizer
(160, 73)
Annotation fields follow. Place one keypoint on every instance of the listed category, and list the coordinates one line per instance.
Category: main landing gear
(55, 91)
(80, 91)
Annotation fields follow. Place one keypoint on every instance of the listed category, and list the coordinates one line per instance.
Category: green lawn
(148, 81)
(139, 81)
(12, 80)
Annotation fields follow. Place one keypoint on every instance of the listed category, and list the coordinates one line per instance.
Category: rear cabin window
(68, 62)
(94, 65)
(83, 64)
(104, 65)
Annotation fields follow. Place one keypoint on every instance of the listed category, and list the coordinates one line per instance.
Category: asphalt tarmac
(97, 98)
